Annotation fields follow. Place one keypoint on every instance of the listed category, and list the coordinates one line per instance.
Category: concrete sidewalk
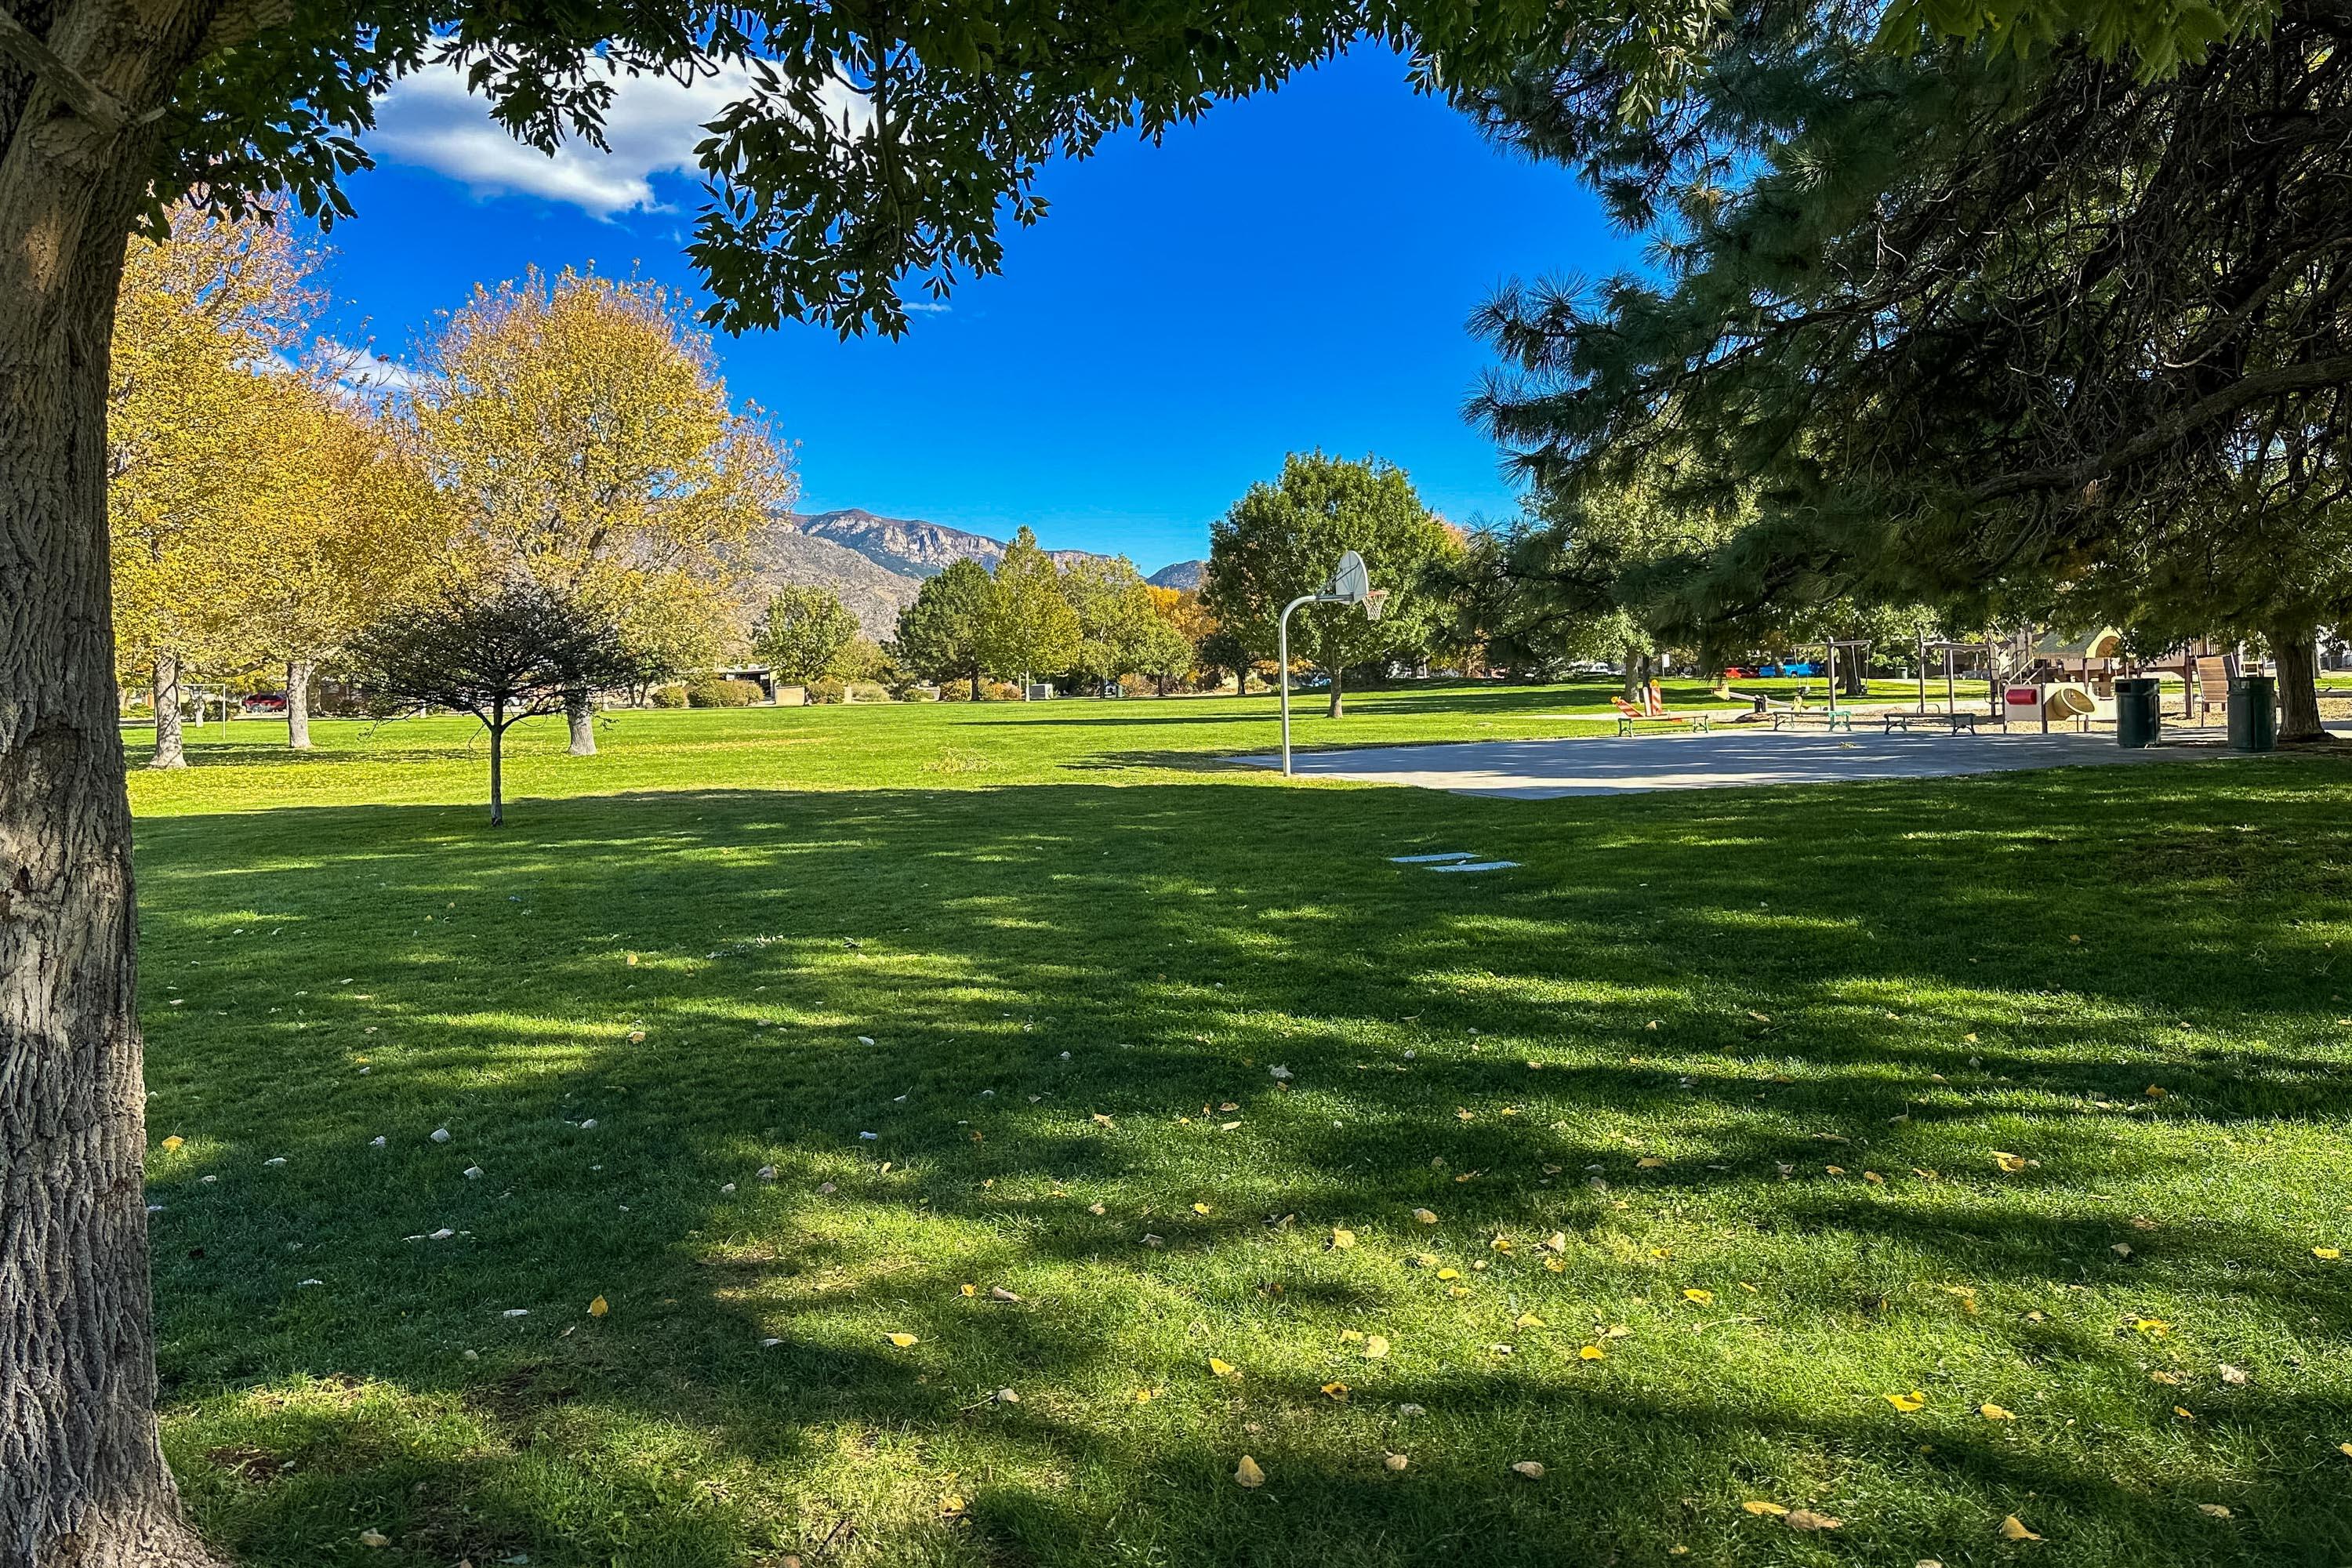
(1727, 759)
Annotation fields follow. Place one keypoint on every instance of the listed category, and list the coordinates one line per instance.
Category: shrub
(1002, 691)
(713, 691)
(827, 689)
(670, 696)
(866, 691)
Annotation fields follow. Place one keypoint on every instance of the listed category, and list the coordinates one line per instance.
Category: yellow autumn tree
(197, 319)
(582, 429)
(335, 523)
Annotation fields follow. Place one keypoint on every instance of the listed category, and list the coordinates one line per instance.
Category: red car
(266, 703)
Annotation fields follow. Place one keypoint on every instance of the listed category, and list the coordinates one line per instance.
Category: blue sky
(1291, 271)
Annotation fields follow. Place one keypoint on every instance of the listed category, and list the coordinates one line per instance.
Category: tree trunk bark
(975, 686)
(1338, 705)
(581, 714)
(165, 695)
(497, 782)
(82, 1479)
(298, 704)
(1634, 672)
(2298, 685)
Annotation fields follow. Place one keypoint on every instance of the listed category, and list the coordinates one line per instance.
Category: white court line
(1426, 859)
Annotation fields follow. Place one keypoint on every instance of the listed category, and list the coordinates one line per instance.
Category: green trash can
(2139, 711)
(2253, 713)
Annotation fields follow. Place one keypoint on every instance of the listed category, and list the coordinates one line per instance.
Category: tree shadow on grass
(1177, 942)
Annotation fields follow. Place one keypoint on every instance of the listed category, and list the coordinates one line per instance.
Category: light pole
(1351, 584)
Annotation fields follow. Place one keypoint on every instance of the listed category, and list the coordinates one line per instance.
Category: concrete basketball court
(1727, 759)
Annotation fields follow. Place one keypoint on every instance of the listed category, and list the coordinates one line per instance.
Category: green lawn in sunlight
(1735, 1113)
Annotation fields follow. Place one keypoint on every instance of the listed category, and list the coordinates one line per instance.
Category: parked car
(265, 704)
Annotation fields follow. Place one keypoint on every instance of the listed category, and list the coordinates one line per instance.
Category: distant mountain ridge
(877, 563)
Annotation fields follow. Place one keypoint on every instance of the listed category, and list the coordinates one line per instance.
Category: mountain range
(877, 563)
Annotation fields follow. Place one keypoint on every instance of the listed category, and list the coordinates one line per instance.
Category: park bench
(1629, 717)
(1834, 719)
(1952, 723)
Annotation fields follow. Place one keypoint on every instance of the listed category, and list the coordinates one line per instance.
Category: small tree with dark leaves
(503, 654)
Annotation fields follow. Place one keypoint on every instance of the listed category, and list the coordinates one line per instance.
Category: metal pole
(1923, 670)
(1282, 658)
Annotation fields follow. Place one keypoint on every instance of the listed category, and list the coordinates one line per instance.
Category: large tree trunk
(82, 1479)
(581, 714)
(165, 695)
(298, 704)
(975, 686)
(1635, 667)
(2298, 685)
(1338, 704)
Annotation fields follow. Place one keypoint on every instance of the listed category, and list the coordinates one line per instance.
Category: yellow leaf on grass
(1591, 1353)
(1248, 1474)
(1394, 1462)
(1649, 1162)
(951, 1507)
(173, 1141)
(1336, 1391)
(903, 1340)
(1449, 1273)
(375, 1538)
(1200, 1208)
(1532, 1469)
(2169, 1379)
(1907, 1402)
(2183, 1413)
(599, 1307)
(2014, 1529)
(2331, 1253)
(1529, 1321)
(1995, 1413)
(1343, 1240)
(971, 1289)
(2345, 1449)
(1223, 1368)
(1425, 1217)
(2155, 1328)
(1806, 1519)
(1375, 1346)
(1765, 1509)
(1102, 1120)
(1695, 1294)
(2008, 1161)
(2212, 1510)
(1555, 1266)
(1145, 1395)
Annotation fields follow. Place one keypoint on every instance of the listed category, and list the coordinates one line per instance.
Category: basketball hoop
(1375, 602)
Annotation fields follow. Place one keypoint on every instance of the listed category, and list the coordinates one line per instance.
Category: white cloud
(363, 373)
(431, 121)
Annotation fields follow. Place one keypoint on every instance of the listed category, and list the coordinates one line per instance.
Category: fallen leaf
(599, 1307)
(173, 1141)
(2010, 1163)
(1102, 1120)
(2155, 1328)
(1449, 1273)
(1223, 1368)
(1995, 1413)
(1343, 1240)
(902, 1340)
(2330, 1253)
(1591, 1353)
(1375, 1346)
(971, 1289)
(1530, 1469)
(2183, 1412)
(1529, 1321)
(2121, 1249)
(1097, 1209)
(1248, 1474)
(999, 1293)
(1200, 1208)
(375, 1538)
(2212, 1510)
(1336, 1391)
(1907, 1402)
(1763, 1510)
(2167, 1379)
(1394, 1462)
(1806, 1519)
(1424, 1216)
(951, 1507)
(1648, 1162)
(2014, 1529)
(1695, 1294)
(1143, 1396)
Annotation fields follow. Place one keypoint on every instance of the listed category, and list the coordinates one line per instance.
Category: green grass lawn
(1710, 1101)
